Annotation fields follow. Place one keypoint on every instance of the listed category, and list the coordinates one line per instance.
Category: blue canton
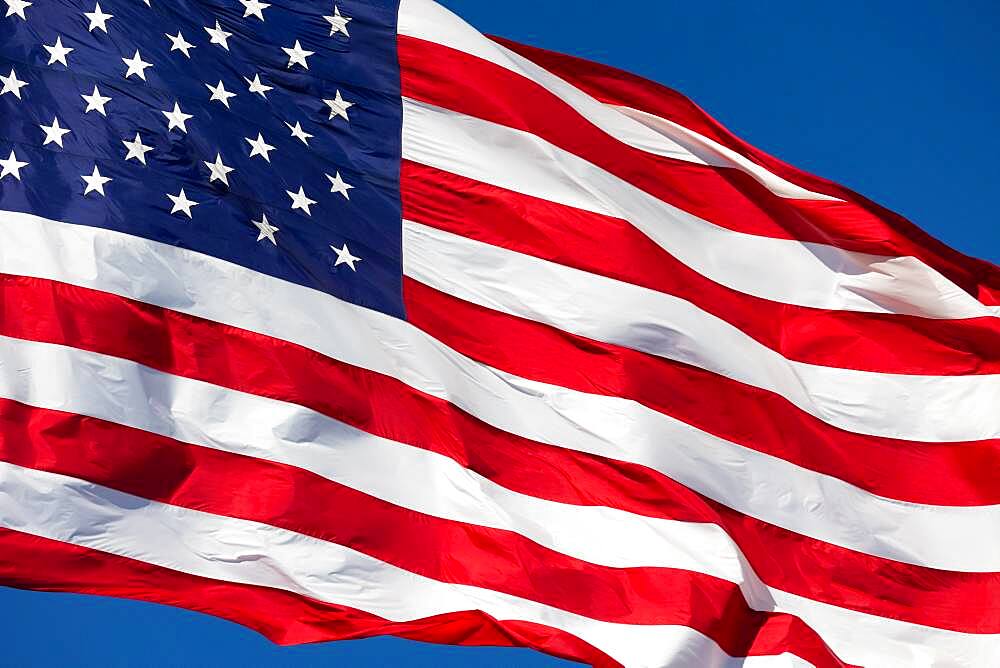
(265, 134)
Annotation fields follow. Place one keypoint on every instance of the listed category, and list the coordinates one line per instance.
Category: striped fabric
(657, 399)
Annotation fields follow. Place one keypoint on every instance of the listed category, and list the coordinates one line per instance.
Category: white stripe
(223, 548)
(116, 390)
(755, 484)
(207, 287)
(897, 643)
(776, 491)
(921, 408)
(717, 154)
(781, 270)
(429, 21)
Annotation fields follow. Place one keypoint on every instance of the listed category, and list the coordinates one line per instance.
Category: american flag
(344, 319)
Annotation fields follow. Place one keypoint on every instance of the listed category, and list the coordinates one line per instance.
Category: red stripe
(280, 495)
(227, 356)
(730, 198)
(543, 353)
(31, 562)
(857, 223)
(929, 473)
(886, 343)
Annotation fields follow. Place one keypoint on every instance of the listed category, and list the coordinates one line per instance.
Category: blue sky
(898, 100)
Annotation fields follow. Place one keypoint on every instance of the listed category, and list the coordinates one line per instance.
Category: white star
(254, 8)
(12, 166)
(339, 106)
(182, 203)
(257, 87)
(178, 43)
(344, 257)
(300, 201)
(136, 149)
(176, 118)
(297, 54)
(219, 171)
(220, 93)
(136, 65)
(11, 84)
(338, 23)
(259, 147)
(339, 185)
(95, 182)
(17, 7)
(58, 52)
(96, 102)
(53, 133)
(267, 230)
(218, 35)
(98, 19)
(299, 133)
